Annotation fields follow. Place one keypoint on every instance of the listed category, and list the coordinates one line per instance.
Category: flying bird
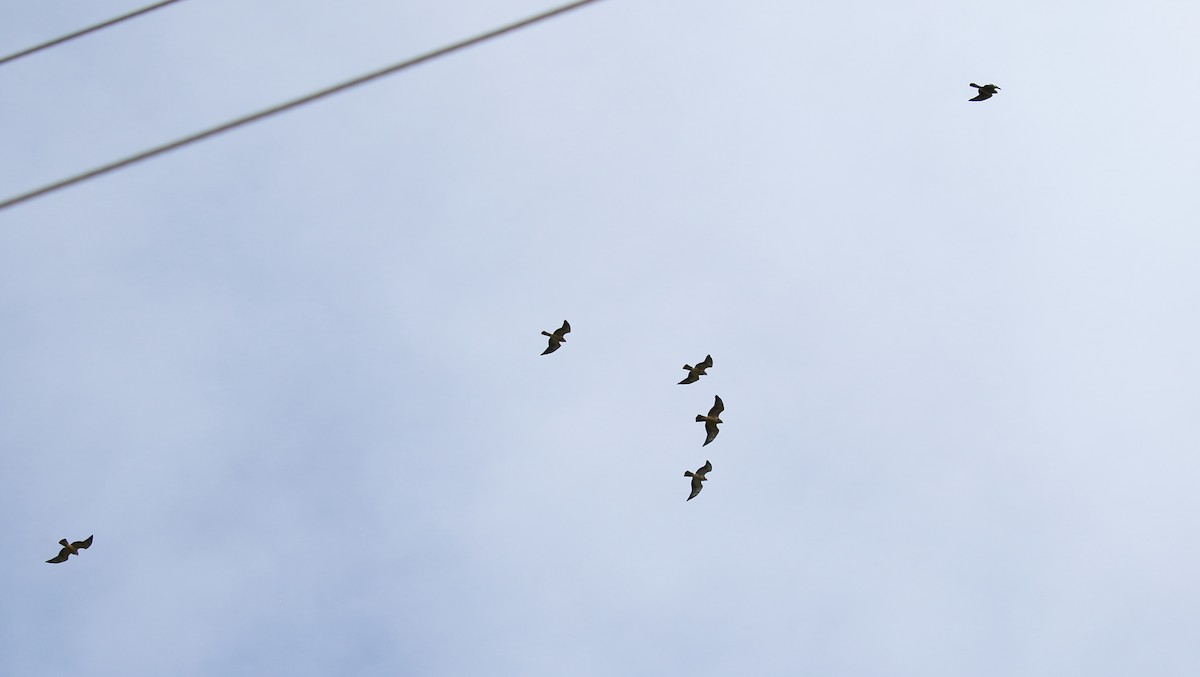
(985, 92)
(70, 549)
(699, 476)
(558, 338)
(694, 373)
(711, 421)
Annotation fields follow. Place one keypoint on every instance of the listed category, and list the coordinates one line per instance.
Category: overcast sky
(290, 377)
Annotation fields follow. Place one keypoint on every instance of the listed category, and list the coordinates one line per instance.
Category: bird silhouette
(70, 549)
(699, 476)
(694, 373)
(985, 92)
(711, 421)
(558, 338)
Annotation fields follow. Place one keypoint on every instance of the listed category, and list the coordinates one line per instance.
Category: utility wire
(309, 98)
(84, 31)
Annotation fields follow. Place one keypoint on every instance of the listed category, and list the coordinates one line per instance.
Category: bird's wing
(706, 468)
(712, 430)
(565, 329)
(707, 362)
(553, 346)
(697, 485)
(718, 407)
(62, 557)
(690, 378)
(85, 543)
(980, 97)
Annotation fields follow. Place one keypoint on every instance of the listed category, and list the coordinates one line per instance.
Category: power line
(309, 98)
(84, 31)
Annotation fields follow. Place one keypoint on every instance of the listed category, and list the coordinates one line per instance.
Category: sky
(290, 377)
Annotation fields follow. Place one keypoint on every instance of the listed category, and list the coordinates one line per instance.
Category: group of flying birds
(713, 418)
(555, 341)
(710, 420)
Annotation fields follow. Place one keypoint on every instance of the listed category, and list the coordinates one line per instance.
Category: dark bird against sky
(558, 338)
(985, 91)
(711, 421)
(694, 373)
(70, 549)
(699, 476)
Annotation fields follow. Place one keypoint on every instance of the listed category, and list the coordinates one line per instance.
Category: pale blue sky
(290, 378)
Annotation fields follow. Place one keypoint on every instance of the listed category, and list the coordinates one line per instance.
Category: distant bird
(694, 373)
(699, 476)
(558, 338)
(985, 92)
(69, 549)
(711, 421)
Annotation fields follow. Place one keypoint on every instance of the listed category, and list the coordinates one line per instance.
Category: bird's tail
(699, 418)
(546, 333)
(976, 86)
(688, 367)
(688, 473)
